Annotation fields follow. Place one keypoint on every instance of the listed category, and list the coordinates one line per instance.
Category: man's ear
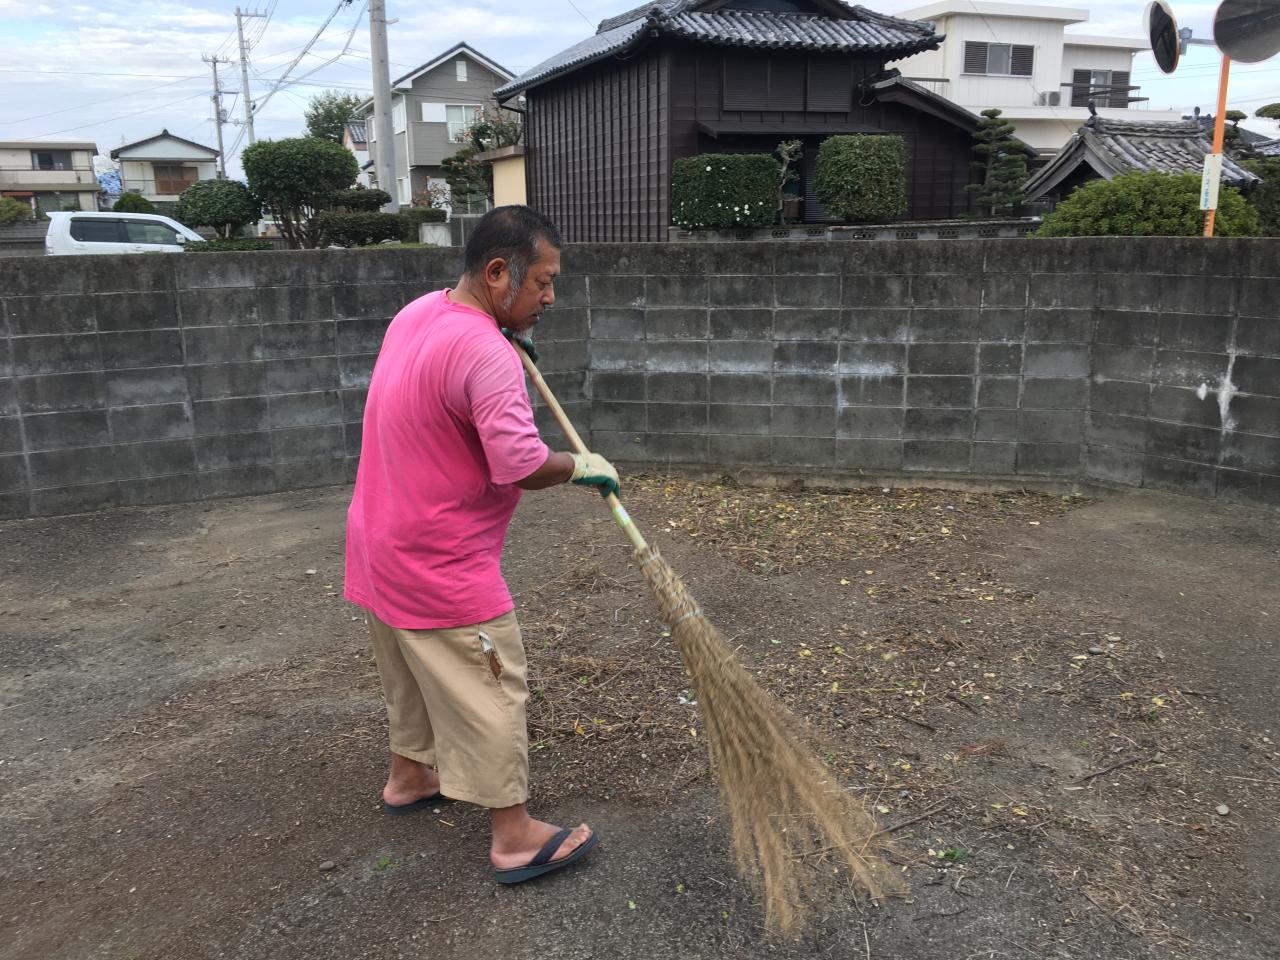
(493, 270)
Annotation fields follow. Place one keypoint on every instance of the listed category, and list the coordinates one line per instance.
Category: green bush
(1265, 197)
(413, 217)
(134, 203)
(12, 210)
(1148, 205)
(226, 206)
(721, 191)
(862, 178)
(360, 200)
(358, 229)
(229, 246)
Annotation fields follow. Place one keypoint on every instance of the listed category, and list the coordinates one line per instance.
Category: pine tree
(1002, 162)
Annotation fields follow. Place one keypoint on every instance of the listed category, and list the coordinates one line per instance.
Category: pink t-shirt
(447, 431)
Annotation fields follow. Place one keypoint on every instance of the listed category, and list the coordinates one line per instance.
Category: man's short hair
(509, 233)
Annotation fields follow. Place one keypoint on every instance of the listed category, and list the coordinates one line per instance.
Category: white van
(81, 233)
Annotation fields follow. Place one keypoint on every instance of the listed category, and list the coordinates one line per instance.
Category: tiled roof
(1113, 147)
(357, 131)
(1268, 148)
(861, 30)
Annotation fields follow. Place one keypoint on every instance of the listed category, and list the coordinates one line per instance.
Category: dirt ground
(1064, 710)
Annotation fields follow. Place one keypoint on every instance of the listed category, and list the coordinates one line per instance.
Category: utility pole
(241, 17)
(385, 151)
(219, 118)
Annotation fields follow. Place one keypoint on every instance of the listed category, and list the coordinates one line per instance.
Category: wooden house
(606, 118)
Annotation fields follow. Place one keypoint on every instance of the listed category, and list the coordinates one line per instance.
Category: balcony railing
(149, 186)
(1103, 95)
(938, 85)
(25, 178)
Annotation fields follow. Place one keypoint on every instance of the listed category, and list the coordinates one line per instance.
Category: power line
(124, 116)
(98, 102)
(581, 14)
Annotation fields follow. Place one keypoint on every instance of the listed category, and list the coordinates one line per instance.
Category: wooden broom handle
(575, 442)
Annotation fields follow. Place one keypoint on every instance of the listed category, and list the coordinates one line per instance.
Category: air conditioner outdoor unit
(1050, 98)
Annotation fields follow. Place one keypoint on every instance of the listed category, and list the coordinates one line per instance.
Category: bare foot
(409, 781)
(515, 848)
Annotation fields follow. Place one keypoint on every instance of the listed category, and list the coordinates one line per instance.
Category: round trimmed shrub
(358, 229)
(134, 203)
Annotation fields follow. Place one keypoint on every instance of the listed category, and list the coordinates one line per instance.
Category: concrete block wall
(144, 379)
(1139, 362)
(1102, 359)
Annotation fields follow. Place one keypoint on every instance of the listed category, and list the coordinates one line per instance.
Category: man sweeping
(449, 444)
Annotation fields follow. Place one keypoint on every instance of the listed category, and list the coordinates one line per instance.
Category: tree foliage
(471, 180)
(226, 206)
(1270, 112)
(328, 111)
(862, 178)
(12, 210)
(1147, 205)
(1265, 197)
(295, 180)
(358, 229)
(1002, 162)
(134, 203)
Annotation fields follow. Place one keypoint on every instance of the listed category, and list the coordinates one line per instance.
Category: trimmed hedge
(360, 199)
(862, 178)
(229, 246)
(413, 217)
(358, 229)
(721, 191)
(1148, 205)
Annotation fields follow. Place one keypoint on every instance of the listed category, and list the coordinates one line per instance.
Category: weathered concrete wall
(1155, 363)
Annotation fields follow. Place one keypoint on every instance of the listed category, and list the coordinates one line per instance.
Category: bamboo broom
(797, 836)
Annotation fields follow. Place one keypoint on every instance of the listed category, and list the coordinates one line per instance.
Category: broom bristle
(792, 823)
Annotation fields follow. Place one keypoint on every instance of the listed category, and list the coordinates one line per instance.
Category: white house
(431, 108)
(1021, 58)
(355, 139)
(163, 166)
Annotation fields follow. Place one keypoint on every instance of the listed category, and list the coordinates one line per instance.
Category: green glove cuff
(525, 342)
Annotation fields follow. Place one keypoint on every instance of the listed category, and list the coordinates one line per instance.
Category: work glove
(526, 342)
(593, 470)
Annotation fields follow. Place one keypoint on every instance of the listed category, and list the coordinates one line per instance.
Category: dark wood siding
(597, 151)
(824, 88)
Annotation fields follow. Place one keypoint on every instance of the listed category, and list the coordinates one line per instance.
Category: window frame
(456, 127)
(987, 71)
(54, 165)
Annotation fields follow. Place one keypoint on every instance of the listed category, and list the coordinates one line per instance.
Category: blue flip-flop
(542, 863)
(397, 809)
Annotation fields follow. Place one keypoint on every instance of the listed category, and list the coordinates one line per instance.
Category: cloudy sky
(119, 70)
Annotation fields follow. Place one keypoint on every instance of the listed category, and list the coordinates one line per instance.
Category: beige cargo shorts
(456, 701)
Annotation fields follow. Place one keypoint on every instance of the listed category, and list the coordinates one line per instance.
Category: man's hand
(593, 470)
(525, 342)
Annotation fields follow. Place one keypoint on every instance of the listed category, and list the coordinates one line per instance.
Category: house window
(403, 185)
(460, 118)
(999, 59)
(51, 160)
(461, 67)
(433, 113)
(1106, 88)
(173, 178)
(399, 119)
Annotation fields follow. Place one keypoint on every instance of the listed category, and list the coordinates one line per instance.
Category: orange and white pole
(1213, 163)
